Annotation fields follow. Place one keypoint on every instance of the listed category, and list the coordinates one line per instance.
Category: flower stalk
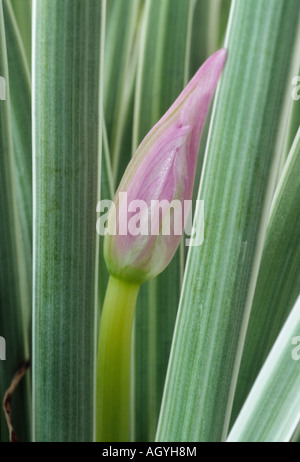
(113, 373)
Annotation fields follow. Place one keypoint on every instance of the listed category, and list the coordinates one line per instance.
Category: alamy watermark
(2, 349)
(159, 217)
(296, 350)
(2, 89)
(296, 90)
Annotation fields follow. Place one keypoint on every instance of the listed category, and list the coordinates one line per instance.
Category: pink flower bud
(139, 245)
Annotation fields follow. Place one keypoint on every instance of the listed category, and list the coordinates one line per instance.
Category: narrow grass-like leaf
(205, 31)
(207, 38)
(67, 39)
(161, 76)
(199, 46)
(237, 183)
(289, 113)
(272, 410)
(120, 68)
(20, 98)
(224, 15)
(107, 192)
(294, 119)
(107, 181)
(278, 283)
(12, 299)
(209, 23)
(22, 13)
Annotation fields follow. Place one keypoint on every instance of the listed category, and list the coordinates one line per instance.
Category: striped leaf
(20, 98)
(22, 10)
(278, 283)
(67, 50)
(237, 183)
(14, 292)
(122, 37)
(118, 84)
(272, 410)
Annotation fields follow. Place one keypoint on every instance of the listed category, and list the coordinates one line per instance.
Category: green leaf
(272, 410)
(208, 26)
(294, 122)
(67, 100)
(14, 293)
(224, 15)
(107, 192)
(290, 114)
(122, 37)
(278, 283)
(20, 98)
(209, 21)
(22, 13)
(205, 31)
(120, 69)
(237, 183)
(162, 73)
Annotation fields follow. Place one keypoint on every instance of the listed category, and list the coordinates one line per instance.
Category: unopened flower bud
(145, 225)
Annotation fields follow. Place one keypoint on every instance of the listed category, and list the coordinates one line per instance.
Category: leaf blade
(15, 297)
(67, 142)
(278, 283)
(237, 184)
(271, 412)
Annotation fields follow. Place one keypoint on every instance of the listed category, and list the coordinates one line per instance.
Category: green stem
(113, 371)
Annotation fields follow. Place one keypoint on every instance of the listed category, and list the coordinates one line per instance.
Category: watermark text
(296, 350)
(2, 349)
(296, 90)
(2, 89)
(159, 217)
